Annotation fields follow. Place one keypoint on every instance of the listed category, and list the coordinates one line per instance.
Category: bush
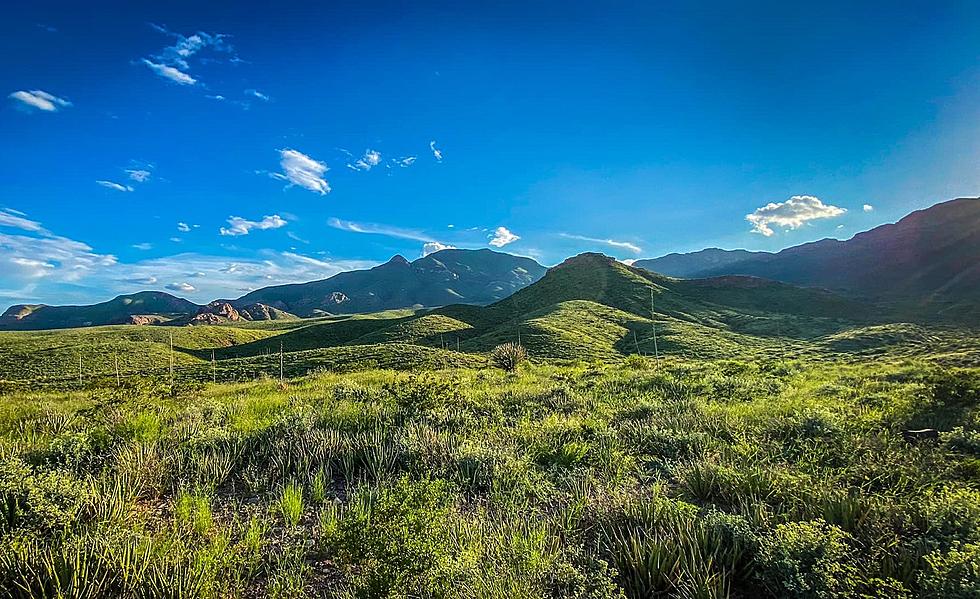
(423, 392)
(955, 574)
(508, 356)
(396, 540)
(807, 560)
(47, 501)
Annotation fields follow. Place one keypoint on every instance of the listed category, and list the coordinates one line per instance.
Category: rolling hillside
(592, 306)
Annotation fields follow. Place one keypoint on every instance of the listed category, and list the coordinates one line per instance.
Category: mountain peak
(592, 259)
(397, 259)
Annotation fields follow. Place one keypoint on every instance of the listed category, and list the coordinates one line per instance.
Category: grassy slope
(54, 354)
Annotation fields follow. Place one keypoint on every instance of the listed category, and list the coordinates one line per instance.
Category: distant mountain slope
(441, 278)
(123, 309)
(693, 264)
(931, 257)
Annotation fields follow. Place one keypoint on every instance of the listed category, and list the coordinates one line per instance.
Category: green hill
(55, 354)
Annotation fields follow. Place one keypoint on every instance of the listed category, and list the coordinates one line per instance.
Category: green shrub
(44, 500)
(807, 560)
(395, 540)
(508, 356)
(423, 392)
(954, 574)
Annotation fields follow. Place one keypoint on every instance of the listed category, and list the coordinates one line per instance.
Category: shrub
(508, 356)
(954, 575)
(424, 392)
(807, 560)
(395, 539)
(44, 500)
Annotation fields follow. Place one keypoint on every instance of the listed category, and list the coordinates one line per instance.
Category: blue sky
(209, 150)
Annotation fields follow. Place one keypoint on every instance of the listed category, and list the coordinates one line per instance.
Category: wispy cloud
(405, 161)
(436, 152)
(302, 170)
(168, 72)
(610, 242)
(378, 229)
(115, 186)
(257, 94)
(791, 214)
(40, 100)
(37, 253)
(183, 227)
(19, 220)
(143, 246)
(40, 266)
(173, 62)
(502, 236)
(183, 287)
(868, 208)
(369, 160)
(241, 226)
(139, 175)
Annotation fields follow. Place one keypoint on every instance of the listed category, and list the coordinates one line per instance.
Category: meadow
(637, 477)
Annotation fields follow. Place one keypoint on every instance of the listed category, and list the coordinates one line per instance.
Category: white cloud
(434, 246)
(369, 160)
(241, 226)
(18, 220)
(187, 46)
(501, 237)
(41, 100)
(114, 185)
(139, 175)
(143, 246)
(183, 227)
(256, 93)
(610, 242)
(142, 280)
(39, 266)
(47, 255)
(791, 214)
(302, 170)
(405, 161)
(168, 72)
(868, 208)
(436, 152)
(376, 229)
(183, 287)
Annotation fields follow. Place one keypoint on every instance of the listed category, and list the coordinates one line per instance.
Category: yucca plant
(508, 356)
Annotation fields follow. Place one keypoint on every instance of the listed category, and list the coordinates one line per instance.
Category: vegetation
(508, 356)
(643, 478)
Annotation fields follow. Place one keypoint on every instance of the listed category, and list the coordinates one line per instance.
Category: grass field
(687, 478)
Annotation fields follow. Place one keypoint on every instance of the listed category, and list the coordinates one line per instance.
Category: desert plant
(508, 356)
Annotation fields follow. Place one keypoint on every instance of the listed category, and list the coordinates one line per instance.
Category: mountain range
(926, 266)
(929, 259)
(441, 278)
(593, 306)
